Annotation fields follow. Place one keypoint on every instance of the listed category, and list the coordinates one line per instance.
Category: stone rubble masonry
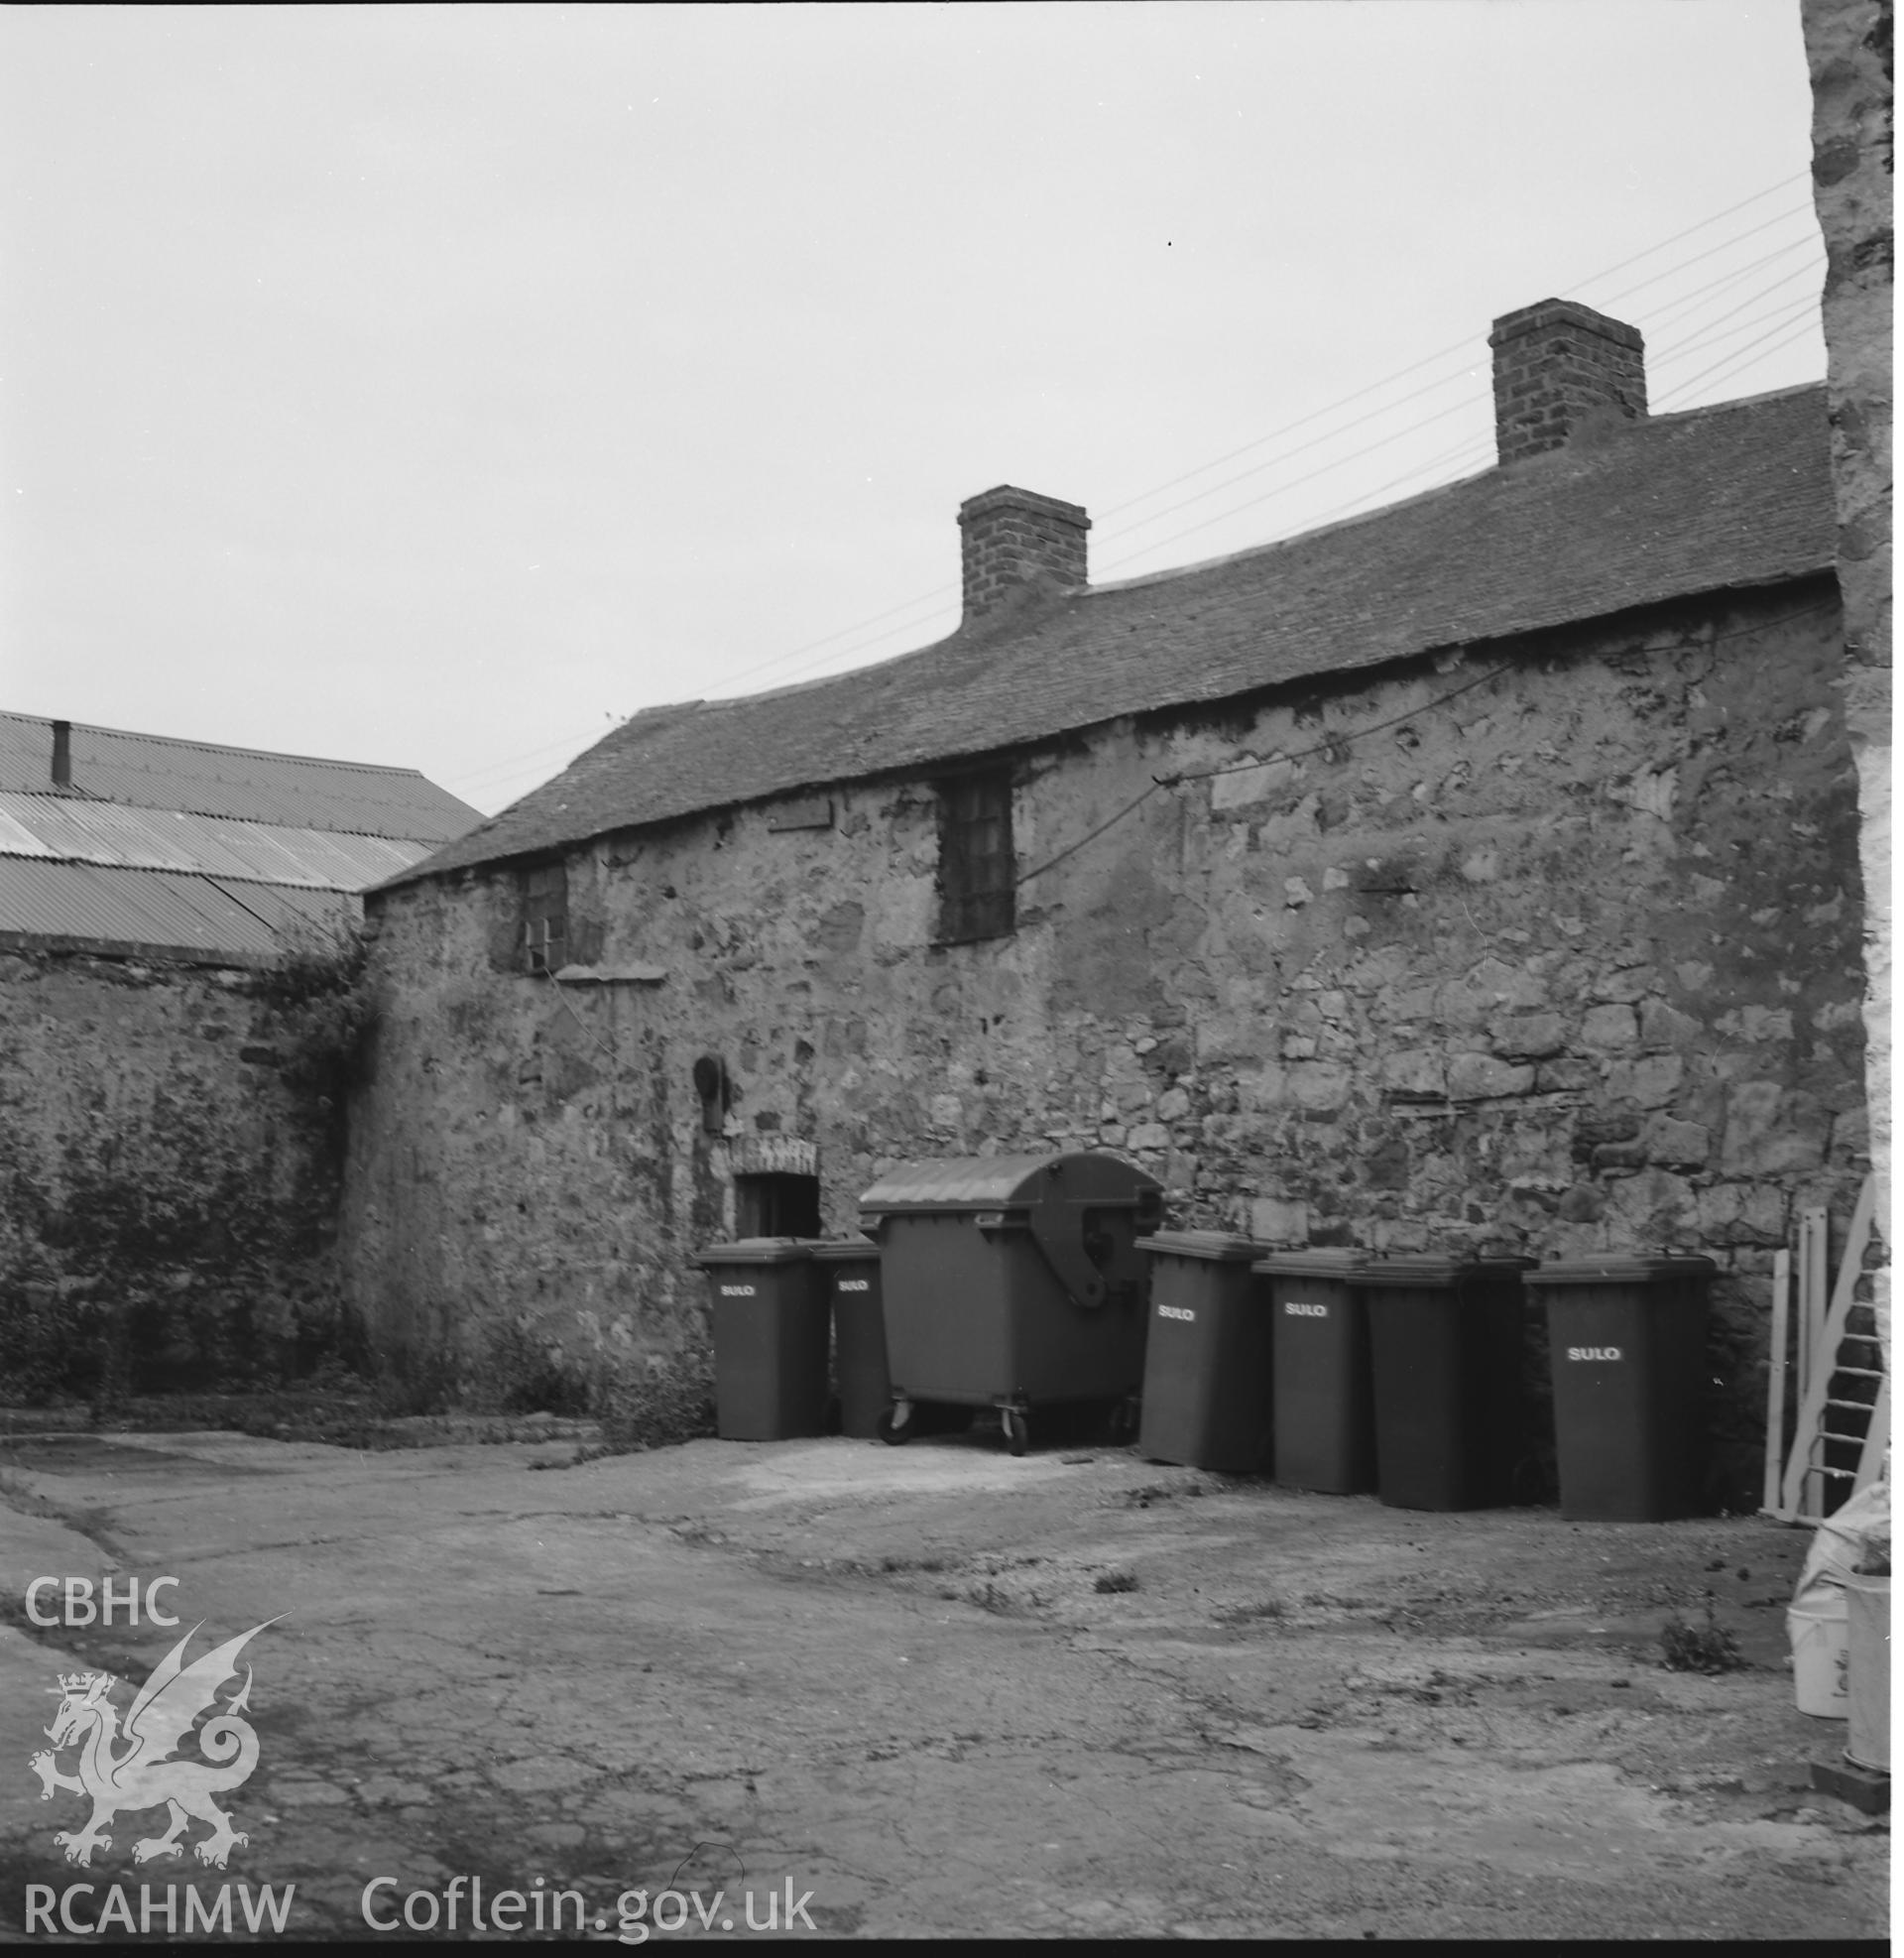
(1588, 1050)
(1849, 48)
(153, 1156)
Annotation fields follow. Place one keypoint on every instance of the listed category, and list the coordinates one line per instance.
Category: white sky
(437, 385)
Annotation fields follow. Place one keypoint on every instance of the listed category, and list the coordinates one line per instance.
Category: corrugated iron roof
(1721, 498)
(183, 849)
(156, 772)
(98, 908)
(60, 827)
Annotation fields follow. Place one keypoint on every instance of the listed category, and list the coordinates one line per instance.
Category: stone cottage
(1480, 871)
(175, 931)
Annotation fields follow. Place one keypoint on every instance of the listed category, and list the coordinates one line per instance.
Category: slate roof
(1718, 498)
(185, 850)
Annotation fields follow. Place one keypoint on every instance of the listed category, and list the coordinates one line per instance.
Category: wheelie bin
(1324, 1403)
(1626, 1343)
(1206, 1367)
(849, 1268)
(770, 1338)
(1011, 1281)
(1444, 1340)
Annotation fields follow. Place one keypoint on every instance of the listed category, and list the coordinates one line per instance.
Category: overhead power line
(827, 650)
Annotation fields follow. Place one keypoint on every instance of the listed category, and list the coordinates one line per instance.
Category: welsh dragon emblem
(148, 1771)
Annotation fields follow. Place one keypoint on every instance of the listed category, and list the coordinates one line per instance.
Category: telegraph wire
(1716, 331)
(1671, 306)
(1804, 327)
(1282, 455)
(501, 769)
(1354, 455)
(1699, 258)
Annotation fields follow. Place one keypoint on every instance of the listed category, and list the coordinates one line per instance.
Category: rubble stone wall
(1849, 46)
(1560, 960)
(166, 1200)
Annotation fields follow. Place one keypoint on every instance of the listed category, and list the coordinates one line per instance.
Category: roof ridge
(1728, 496)
(176, 741)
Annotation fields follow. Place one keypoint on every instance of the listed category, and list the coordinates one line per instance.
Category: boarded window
(545, 932)
(977, 863)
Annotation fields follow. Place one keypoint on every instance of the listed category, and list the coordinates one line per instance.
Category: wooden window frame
(543, 928)
(977, 858)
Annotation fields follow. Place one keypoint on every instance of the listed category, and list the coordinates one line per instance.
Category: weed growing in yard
(1706, 1648)
(668, 1400)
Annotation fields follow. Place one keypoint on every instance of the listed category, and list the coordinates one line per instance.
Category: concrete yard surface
(923, 1690)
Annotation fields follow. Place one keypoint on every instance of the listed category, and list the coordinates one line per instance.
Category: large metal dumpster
(1012, 1282)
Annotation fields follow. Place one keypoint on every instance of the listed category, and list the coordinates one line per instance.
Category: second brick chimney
(1557, 363)
(1013, 538)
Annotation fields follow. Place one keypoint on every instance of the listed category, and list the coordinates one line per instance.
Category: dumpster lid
(1621, 1267)
(1218, 1245)
(1324, 1261)
(755, 1251)
(991, 1182)
(843, 1250)
(1426, 1269)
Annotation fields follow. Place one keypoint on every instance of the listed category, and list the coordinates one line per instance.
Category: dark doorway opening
(776, 1205)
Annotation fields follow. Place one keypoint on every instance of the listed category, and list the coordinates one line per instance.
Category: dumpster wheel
(899, 1423)
(1017, 1428)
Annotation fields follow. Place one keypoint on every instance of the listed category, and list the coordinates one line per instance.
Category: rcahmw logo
(137, 1764)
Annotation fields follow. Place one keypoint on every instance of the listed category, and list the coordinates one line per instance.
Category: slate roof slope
(1717, 498)
(185, 850)
(156, 772)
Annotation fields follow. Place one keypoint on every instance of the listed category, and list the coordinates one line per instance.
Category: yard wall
(168, 1196)
(1568, 958)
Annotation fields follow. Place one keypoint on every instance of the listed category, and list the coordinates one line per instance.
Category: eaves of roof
(1722, 498)
(159, 914)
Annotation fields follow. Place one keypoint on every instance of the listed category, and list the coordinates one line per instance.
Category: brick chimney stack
(63, 754)
(1011, 539)
(1557, 364)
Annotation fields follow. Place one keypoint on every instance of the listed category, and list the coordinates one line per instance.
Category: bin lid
(1621, 1267)
(843, 1250)
(755, 1251)
(995, 1182)
(1219, 1245)
(1414, 1271)
(1325, 1261)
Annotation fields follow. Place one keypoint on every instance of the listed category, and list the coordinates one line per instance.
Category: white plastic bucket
(1816, 1625)
(1869, 1673)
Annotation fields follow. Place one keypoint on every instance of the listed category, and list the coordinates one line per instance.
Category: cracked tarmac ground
(942, 1692)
